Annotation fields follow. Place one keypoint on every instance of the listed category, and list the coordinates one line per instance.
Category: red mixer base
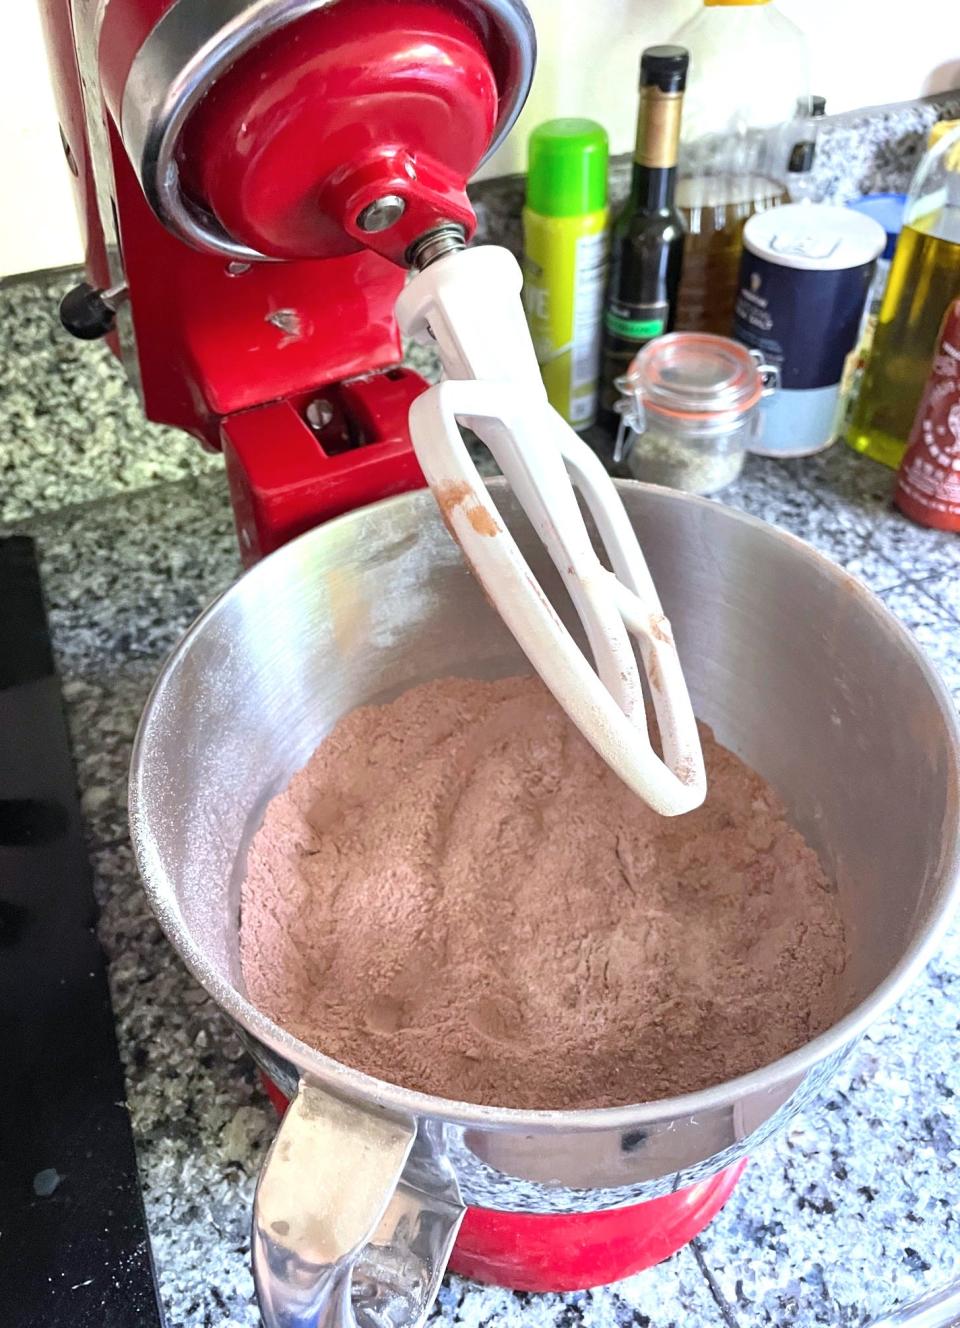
(573, 1251)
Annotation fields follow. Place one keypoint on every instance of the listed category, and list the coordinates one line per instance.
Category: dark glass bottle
(646, 251)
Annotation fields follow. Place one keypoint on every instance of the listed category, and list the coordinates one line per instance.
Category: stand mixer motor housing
(254, 177)
(251, 176)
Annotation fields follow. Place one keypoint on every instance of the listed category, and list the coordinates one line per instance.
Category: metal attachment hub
(447, 238)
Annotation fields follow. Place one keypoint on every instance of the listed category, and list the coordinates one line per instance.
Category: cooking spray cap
(567, 168)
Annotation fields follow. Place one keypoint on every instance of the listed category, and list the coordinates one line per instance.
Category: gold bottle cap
(658, 128)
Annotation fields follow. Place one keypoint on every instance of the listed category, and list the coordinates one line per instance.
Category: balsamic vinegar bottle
(646, 250)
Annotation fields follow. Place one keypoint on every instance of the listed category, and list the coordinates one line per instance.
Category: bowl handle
(354, 1218)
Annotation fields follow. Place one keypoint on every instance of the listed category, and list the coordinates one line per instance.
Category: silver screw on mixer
(447, 238)
(381, 214)
(319, 414)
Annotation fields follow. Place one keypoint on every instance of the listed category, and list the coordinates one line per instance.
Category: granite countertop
(854, 1208)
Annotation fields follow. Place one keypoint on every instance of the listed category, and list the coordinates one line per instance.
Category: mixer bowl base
(575, 1251)
(544, 1252)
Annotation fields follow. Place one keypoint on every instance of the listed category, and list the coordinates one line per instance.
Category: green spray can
(565, 260)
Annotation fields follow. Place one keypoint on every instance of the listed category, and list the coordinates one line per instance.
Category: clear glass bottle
(924, 279)
(748, 69)
(802, 186)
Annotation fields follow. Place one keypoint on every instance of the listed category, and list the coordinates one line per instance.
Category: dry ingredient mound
(457, 895)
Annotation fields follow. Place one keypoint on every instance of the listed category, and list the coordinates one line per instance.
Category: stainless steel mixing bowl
(798, 669)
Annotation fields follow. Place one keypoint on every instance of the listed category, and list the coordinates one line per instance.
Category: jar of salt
(689, 408)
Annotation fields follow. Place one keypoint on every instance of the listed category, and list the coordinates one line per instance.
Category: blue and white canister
(804, 278)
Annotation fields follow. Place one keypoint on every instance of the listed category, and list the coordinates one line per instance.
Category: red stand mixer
(220, 152)
(255, 177)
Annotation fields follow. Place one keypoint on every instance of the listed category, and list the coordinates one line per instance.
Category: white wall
(590, 49)
(588, 66)
(38, 225)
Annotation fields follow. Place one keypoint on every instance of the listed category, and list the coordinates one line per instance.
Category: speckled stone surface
(852, 1210)
(69, 418)
(873, 151)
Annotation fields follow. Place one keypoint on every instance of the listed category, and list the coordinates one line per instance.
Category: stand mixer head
(250, 175)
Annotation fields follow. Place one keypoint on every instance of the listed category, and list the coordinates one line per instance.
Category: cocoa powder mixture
(457, 895)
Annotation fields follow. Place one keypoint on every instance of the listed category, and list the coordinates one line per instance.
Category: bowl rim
(343, 1081)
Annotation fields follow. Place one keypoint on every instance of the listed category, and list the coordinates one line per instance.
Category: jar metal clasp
(769, 386)
(769, 373)
(633, 420)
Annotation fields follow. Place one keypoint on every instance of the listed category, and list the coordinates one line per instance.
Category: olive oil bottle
(924, 280)
(646, 251)
(715, 209)
(749, 68)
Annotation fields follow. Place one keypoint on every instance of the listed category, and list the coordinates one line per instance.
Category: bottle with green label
(565, 260)
(646, 251)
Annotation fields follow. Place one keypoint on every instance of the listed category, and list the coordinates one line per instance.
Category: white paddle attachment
(469, 302)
